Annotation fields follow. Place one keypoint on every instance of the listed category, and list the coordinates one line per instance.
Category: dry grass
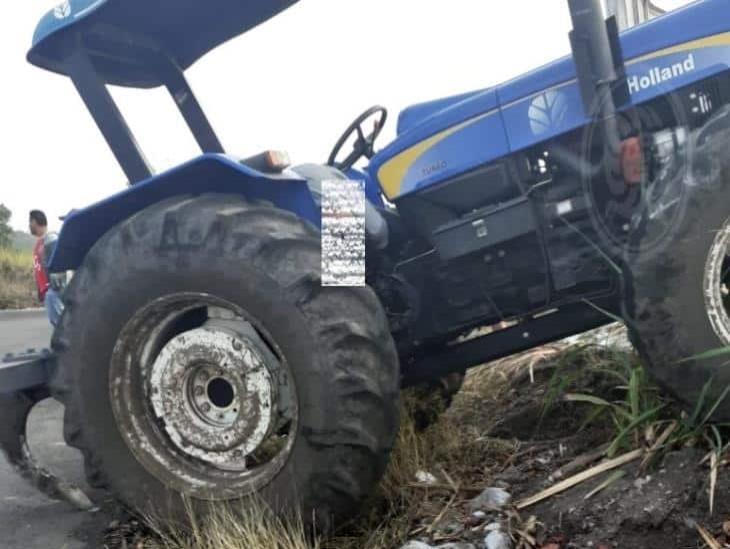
(17, 290)
(250, 526)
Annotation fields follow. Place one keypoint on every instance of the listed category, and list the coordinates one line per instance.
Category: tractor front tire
(676, 297)
(206, 363)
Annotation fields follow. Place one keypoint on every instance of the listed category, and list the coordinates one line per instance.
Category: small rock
(424, 477)
(493, 527)
(492, 499)
(498, 540)
(417, 545)
(639, 483)
(457, 546)
(479, 515)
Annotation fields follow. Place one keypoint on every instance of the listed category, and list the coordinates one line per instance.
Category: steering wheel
(363, 146)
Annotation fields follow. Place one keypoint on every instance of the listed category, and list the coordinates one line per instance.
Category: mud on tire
(335, 343)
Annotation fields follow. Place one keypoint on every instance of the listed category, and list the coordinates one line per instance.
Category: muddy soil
(656, 508)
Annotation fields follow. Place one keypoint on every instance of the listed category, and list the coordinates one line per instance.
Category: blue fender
(209, 173)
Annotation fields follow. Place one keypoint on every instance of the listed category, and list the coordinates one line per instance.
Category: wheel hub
(213, 395)
(717, 282)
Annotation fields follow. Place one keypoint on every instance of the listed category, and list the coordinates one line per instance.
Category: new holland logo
(547, 111)
(659, 75)
(62, 11)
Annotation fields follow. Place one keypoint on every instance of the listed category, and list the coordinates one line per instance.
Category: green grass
(641, 416)
(17, 289)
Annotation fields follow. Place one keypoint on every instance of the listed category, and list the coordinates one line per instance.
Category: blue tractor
(201, 359)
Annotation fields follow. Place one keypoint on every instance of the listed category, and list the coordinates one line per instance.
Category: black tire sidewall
(104, 298)
(665, 306)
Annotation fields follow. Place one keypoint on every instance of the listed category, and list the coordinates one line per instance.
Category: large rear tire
(205, 360)
(676, 297)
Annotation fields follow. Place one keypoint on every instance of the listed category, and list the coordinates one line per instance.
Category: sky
(294, 83)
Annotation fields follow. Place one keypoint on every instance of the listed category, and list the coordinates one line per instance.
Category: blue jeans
(54, 306)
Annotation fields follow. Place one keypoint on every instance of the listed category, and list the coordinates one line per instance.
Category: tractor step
(25, 371)
(24, 363)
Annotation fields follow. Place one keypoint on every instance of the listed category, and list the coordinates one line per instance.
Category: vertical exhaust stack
(599, 68)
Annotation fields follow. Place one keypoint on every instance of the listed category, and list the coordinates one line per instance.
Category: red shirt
(41, 278)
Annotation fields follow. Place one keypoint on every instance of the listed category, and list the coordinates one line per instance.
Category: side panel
(457, 140)
(559, 109)
(207, 174)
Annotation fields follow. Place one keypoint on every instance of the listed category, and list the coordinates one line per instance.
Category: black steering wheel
(363, 146)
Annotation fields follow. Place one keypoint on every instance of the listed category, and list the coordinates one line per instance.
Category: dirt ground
(656, 508)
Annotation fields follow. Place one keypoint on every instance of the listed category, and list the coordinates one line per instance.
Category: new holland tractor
(200, 358)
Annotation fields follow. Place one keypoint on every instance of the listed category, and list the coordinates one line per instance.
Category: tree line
(6, 233)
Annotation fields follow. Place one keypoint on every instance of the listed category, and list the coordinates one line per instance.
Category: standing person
(48, 294)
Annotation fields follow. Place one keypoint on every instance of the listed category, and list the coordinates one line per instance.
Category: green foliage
(637, 410)
(17, 289)
(6, 233)
(638, 407)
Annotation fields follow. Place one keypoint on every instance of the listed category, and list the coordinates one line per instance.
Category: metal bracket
(25, 371)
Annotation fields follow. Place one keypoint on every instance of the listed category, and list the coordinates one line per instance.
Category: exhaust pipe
(599, 68)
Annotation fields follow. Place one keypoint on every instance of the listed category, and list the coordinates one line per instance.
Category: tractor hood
(124, 36)
(448, 137)
(415, 114)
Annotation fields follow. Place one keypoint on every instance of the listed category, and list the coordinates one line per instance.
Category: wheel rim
(203, 396)
(717, 284)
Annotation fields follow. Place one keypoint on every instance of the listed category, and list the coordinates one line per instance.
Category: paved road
(28, 519)
(23, 330)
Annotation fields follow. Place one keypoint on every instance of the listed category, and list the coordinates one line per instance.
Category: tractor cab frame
(98, 42)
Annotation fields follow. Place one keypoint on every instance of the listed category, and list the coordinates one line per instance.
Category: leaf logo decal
(547, 111)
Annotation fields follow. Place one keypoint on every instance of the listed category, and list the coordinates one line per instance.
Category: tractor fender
(209, 173)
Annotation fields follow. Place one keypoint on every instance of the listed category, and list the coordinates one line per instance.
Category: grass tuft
(17, 290)
(250, 525)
